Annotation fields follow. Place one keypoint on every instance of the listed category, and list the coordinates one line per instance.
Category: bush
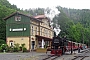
(24, 49)
(7, 49)
(16, 49)
(10, 49)
(4, 46)
(20, 48)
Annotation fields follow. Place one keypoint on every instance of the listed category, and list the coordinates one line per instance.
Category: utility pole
(71, 47)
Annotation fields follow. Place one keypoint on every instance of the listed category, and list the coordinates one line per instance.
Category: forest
(74, 23)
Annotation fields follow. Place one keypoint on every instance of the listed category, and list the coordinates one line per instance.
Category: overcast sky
(76, 4)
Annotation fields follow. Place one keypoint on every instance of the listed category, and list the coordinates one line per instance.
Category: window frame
(17, 18)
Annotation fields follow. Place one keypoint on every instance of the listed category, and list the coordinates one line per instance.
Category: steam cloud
(51, 14)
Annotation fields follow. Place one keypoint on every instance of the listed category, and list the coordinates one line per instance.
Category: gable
(17, 18)
(18, 14)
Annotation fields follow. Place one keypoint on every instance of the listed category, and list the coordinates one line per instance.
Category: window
(41, 31)
(50, 33)
(17, 18)
(36, 31)
(44, 32)
(47, 33)
(32, 30)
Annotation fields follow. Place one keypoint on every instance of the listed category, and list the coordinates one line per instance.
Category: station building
(35, 32)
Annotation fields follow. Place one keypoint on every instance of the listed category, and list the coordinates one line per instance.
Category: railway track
(86, 51)
(84, 55)
(51, 57)
(81, 57)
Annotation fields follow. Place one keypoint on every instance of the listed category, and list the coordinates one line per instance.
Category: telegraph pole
(71, 47)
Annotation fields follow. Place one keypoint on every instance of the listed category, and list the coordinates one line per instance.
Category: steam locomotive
(58, 45)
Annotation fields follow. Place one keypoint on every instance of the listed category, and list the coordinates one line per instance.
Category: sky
(76, 4)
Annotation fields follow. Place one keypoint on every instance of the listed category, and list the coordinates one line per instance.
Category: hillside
(77, 15)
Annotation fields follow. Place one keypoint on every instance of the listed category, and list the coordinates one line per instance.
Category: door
(33, 44)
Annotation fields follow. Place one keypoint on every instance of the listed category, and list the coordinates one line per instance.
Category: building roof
(40, 16)
(21, 14)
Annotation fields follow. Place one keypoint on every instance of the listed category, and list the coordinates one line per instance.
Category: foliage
(22, 46)
(4, 46)
(2, 42)
(10, 49)
(75, 24)
(15, 49)
(24, 49)
(8, 5)
(17, 46)
(34, 12)
(0, 48)
(75, 32)
(7, 49)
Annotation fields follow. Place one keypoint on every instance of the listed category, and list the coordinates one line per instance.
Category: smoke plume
(51, 13)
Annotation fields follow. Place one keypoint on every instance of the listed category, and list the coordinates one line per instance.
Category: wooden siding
(24, 23)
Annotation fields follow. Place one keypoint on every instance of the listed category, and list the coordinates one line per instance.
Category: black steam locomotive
(58, 46)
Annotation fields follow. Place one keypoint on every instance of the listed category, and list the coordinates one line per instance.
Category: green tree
(76, 32)
(2, 42)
